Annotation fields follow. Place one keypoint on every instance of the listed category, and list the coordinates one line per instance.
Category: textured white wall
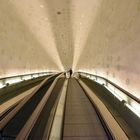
(112, 48)
(98, 36)
(20, 49)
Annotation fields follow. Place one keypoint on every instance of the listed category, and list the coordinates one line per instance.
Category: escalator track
(81, 121)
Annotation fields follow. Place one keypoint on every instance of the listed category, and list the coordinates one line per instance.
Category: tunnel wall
(112, 49)
(20, 51)
(97, 36)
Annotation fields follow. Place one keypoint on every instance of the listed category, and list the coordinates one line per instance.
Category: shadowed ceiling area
(97, 36)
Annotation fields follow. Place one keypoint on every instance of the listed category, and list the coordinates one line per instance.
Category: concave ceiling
(97, 36)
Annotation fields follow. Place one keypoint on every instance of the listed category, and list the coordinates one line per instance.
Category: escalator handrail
(12, 113)
(118, 87)
(104, 124)
(25, 131)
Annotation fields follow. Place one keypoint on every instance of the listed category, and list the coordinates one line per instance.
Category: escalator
(81, 119)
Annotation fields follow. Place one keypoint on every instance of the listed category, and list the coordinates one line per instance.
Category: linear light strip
(18, 79)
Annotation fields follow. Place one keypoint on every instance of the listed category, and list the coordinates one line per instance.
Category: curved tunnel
(98, 39)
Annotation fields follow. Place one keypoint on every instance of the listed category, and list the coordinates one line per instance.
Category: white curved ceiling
(98, 36)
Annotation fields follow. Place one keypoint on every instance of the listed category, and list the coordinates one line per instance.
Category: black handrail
(101, 118)
(118, 87)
